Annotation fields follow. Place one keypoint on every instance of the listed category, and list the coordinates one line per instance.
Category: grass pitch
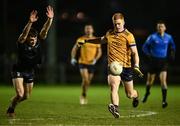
(59, 105)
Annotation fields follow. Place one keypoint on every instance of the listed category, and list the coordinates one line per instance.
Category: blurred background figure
(159, 49)
(89, 55)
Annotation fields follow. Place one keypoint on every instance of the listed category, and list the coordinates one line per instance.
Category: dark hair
(161, 22)
(33, 32)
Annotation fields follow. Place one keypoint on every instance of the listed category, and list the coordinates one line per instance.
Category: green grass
(59, 105)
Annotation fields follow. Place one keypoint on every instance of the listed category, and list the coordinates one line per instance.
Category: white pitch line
(142, 113)
(31, 119)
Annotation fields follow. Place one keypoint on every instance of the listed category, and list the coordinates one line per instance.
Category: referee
(159, 48)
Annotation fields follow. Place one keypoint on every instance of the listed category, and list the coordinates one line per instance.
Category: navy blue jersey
(157, 45)
(28, 56)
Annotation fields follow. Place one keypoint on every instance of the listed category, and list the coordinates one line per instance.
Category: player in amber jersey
(89, 54)
(121, 47)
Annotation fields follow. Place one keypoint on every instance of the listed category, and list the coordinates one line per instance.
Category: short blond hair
(117, 16)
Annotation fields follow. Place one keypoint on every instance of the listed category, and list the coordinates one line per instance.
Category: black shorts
(126, 75)
(27, 75)
(157, 65)
(91, 68)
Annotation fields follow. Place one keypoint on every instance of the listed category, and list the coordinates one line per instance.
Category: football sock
(148, 87)
(164, 94)
(10, 110)
(116, 106)
(84, 94)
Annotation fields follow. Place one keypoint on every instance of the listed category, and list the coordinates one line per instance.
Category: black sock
(116, 106)
(164, 94)
(10, 110)
(148, 87)
(84, 94)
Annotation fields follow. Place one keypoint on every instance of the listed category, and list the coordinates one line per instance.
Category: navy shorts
(157, 65)
(27, 75)
(126, 75)
(91, 68)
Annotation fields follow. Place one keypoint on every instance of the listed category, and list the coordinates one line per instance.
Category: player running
(121, 46)
(29, 56)
(156, 49)
(89, 55)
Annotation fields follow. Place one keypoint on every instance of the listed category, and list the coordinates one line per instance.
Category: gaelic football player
(29, 56)
(159, 47)
(121, 47)
(89, 55)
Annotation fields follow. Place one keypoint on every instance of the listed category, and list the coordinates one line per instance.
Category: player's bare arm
(33, 18)
(99, 53)
(135, 56)
(74, 51)
(46, 26)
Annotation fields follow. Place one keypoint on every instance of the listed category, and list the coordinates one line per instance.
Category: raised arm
(33, 18)
(47, 25)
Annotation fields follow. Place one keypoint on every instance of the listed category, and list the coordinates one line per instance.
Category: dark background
(70, 18)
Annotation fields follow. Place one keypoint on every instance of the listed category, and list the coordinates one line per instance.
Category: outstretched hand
(80, 42)
(50, 12)
(33, 16)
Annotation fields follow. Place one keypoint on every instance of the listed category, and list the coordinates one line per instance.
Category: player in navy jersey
(159, 47)
(29, 56)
